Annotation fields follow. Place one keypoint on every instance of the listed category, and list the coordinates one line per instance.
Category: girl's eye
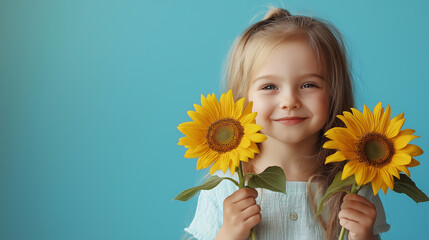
(269, 87)
(308, 85)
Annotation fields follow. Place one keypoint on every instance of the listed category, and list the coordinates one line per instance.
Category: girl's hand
(358, 215)
(240, 214)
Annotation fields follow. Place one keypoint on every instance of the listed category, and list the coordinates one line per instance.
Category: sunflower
(374, 145)
(221, 134)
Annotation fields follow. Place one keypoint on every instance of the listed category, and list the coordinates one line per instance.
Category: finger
(359, 206)
(250, 211)
(253, 220)
(350, 225)
(241, 194)
(245, 203)
(358, 198)
(354, 215)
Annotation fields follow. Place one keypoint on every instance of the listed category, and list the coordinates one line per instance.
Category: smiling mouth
(290, 121)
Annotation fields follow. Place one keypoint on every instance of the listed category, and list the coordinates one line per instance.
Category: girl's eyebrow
(275, 77)
(268, 76)
(309, 75)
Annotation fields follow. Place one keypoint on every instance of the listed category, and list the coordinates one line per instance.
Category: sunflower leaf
(272, 178)
(210, 183)
(405, 185)
(337, 185)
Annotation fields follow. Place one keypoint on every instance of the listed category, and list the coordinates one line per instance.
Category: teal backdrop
(91, 93)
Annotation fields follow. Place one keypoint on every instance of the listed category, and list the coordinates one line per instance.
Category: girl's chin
(292, 139)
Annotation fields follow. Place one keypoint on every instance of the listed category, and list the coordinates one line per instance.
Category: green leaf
(337, 185)
(273, 178)
(211, 182)
(405, 185)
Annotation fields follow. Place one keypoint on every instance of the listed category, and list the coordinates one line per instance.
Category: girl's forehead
(292, 56)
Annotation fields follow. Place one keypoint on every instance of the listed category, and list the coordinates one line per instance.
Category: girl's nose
(290, 101)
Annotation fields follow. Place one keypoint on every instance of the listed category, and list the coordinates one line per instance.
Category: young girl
(295, 71)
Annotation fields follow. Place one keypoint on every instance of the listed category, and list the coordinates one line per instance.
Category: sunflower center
(224, 135)
(375, 149)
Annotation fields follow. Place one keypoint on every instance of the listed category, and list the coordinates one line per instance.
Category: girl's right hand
(240, 214)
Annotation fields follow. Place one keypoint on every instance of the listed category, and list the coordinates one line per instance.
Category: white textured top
(284, 216)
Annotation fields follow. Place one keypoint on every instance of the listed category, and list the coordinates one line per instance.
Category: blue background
(91, 93)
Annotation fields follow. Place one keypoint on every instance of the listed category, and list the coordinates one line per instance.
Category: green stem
(232, 180)
(355, 189)
(241, 184)
(241, 180)
(253, 234)
(342, 233)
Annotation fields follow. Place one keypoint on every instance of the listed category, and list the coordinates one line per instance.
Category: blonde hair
(251, 49)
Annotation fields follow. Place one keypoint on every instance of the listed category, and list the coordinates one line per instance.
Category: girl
(295, 71)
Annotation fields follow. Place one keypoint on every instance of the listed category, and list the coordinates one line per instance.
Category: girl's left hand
(358, 215)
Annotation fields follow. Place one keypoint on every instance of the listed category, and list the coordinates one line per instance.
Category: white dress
(284, 216)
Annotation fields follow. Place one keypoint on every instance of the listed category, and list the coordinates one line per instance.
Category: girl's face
(290, 95)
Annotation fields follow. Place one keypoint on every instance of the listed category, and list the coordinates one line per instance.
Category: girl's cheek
(260, 109)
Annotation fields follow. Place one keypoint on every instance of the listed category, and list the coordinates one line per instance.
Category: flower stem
(253, 234)
(355, 189)
(241, 184)
(342, 233)
(241, 180)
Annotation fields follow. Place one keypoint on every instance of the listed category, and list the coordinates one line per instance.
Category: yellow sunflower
(221, 134)
(374, 145)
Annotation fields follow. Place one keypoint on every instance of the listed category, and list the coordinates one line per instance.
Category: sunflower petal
(349, 169)
(351, 125)
(412, 150)
(190, 141)
(228, 107)
(216, 165)
(257, 137)
(398, 117)
(206, 104)
(336, 157)
(245, 142)
(195, 152)
(402, 141)
(235, 160)
(401, 159)
(384, 120)
(253, 147)
(388, 178)
(340, 133)
(238, 108)
(248, 118)
(403, 169)
(346, 147)
(376, 184)
(207, 159)
(248, 108)
(360, 118)
(360, 174)
(413, 163)
(377, 113)
(252, 128)
(393, 170)
(215, 107)
(353, 121)
(369, 117)
(248, 153)
(403, 133)
(394, 128)
(198, 118)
